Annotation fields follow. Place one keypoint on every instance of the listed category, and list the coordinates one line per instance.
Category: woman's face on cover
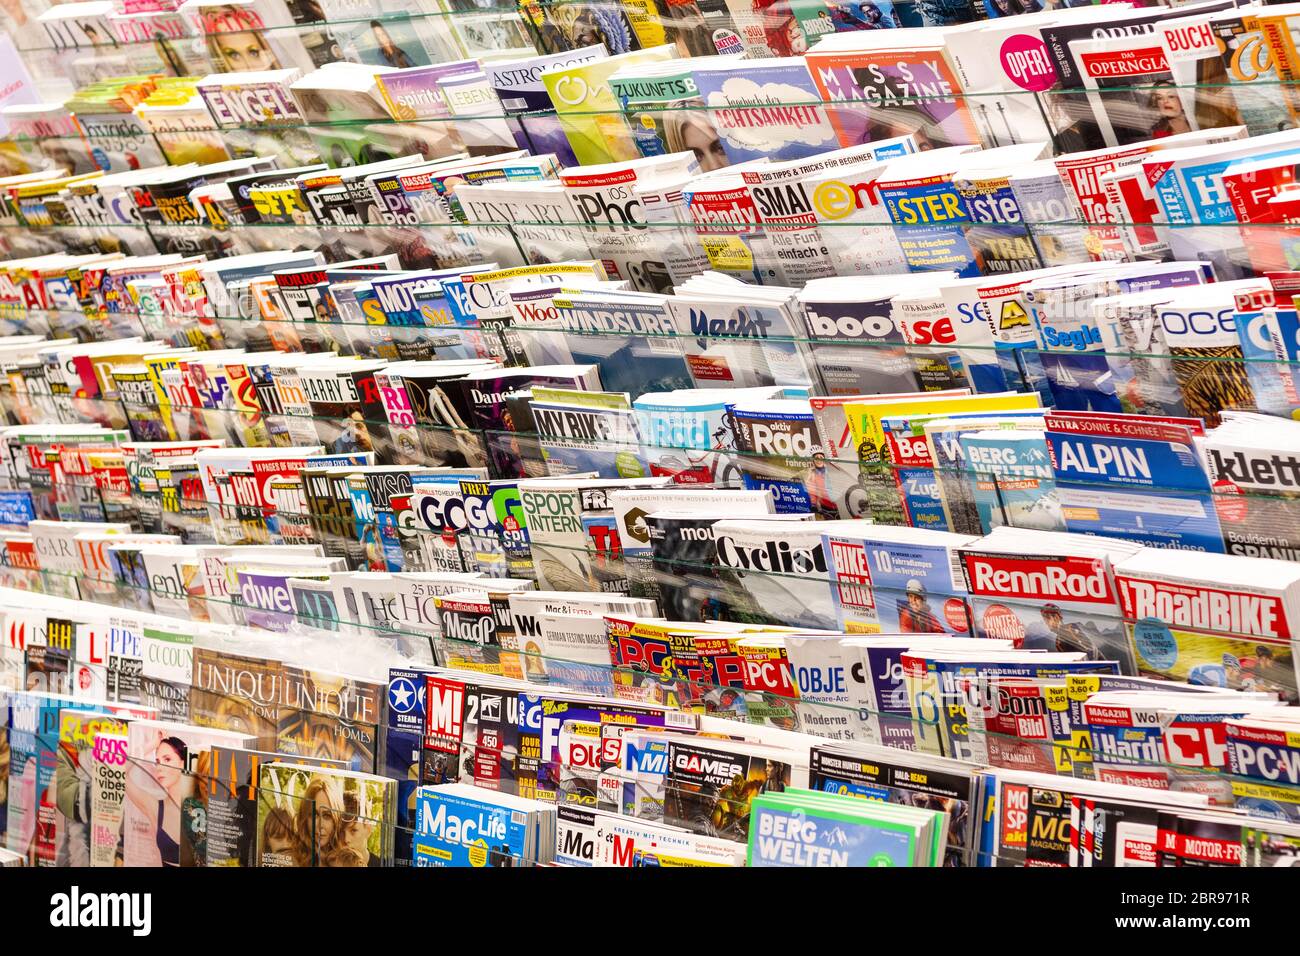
(703, 141)
(327, 820)
(1167, 103)
(244, 52)
(794, 36)
(382, 37)
(167, 766)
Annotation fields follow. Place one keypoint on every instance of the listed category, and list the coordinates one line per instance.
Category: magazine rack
(225, 821)
(387, 832)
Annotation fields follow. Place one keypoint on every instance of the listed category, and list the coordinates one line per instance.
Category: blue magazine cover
(1269, 380)
(930, 221)
(1265, 762)
(1013, 480)
(896, 582)
(403, 738)
(688, 435)
(16, 509)
(1285, 336)
(456, 828)
(399, 296)
(1135, 477)
(1073, 354)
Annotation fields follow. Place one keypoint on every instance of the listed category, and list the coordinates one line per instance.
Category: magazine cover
(775, 572)
(1013, 480)
(710, 788)
(854, 219)
(164, 791)
(330, 716)
(231, 804)
(768, 29)
(1198, 64)
(685, 565)
(827, 675)
(1071, 114)
(954, 793)
(997, 234)
(666, 114)
(1113, 469)
(894, 582)
(1075, 607)
(401, 37)
(1249, 70)
(1259, 520)
(587, 432)
(914, 474)
(462, 826)
(603, 198)
(930, 221)
(1232, 633)
(108, 765)
(856, 344)
(519, 86)
(632, 340)
(1130, 88)
(315, 816)
(780, 441)
(700, 28)
(770, 110)
(580, 95)
(573, 26)
(912, 91)
(729, 229)
(74, 782)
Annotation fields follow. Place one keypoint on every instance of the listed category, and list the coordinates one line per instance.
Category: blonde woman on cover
(317, 820)
(691, 131)
(235, 50)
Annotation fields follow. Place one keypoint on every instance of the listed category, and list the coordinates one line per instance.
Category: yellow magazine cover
(590, 117)
(647, 22)
(157, 365)
(248, 411)
(864, 417)
(73, 780)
